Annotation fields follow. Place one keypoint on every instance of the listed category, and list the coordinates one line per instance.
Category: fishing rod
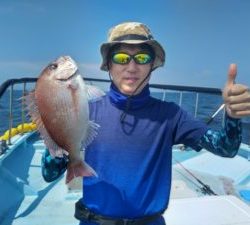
(215, 114)
(222, 106)
(205, 188)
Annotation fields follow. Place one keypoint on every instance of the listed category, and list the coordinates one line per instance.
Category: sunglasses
(124, 58)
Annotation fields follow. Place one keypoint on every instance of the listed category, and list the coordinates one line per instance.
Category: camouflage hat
(132, 33)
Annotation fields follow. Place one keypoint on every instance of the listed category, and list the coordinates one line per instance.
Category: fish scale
(59, 106)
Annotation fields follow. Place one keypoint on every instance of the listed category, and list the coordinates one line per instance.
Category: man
(132, 151)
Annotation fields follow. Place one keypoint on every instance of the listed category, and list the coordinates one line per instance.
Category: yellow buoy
(21, 128)
(25, 127)
(33, 126)
(9, 133)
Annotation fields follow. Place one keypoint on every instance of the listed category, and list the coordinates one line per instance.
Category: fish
(59, 107)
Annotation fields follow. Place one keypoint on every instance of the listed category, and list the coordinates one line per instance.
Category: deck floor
(27, 199)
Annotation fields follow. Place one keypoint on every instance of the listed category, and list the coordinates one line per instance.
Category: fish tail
(79, 169)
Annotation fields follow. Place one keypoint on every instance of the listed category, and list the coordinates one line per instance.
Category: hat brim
(159, 51)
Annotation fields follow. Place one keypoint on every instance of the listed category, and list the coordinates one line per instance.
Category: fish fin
(91, 133)
(94, 92)
(33, 112)
(31, 107)
(79, 169)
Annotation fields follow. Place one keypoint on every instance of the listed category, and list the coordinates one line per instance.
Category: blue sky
(201, 37)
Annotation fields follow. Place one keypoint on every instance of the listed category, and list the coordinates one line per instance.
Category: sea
(208, 104)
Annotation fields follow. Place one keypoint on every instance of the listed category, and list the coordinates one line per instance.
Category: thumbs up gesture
(236, 96)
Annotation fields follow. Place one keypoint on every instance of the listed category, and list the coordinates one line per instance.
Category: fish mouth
(70, 77)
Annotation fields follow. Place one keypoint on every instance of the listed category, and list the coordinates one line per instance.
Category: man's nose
(132, 66)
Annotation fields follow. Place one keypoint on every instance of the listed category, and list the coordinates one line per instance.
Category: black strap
(83, 213)
(133, 37)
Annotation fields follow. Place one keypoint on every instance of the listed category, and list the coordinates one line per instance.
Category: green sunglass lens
(121, 58)
(142, 58)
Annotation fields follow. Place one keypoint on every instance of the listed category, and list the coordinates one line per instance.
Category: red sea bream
(59, 107)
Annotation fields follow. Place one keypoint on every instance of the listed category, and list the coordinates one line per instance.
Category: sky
(201, 37)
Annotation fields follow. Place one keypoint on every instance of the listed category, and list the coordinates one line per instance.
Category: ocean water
(207, 106)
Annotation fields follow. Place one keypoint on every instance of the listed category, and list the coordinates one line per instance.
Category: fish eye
(53, 66)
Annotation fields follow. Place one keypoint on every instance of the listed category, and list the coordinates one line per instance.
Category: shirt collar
(123, 101)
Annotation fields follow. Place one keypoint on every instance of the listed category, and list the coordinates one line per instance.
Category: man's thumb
(232, 72)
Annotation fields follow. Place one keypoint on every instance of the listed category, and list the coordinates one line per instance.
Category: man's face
(127, 77)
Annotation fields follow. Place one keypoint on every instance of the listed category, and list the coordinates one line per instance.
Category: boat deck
(27, 199)
(208, 210)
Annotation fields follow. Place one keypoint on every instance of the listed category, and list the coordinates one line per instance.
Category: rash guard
(132, 153)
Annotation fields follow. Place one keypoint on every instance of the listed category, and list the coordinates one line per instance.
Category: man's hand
(236, 96)
(53, 168)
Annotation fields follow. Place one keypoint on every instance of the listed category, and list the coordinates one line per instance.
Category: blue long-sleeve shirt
(133, 157)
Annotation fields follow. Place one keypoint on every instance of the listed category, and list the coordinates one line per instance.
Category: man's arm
(225, 142)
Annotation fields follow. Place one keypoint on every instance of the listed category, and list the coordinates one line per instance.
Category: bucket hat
(132, 33)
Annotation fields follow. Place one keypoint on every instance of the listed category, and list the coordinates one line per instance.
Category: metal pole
(10, 113)
(196, 104)
(23, 108)
(180, 99)
(164, 96)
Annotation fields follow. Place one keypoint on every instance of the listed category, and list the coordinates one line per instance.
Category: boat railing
(177, 89)
(9, 85)
(164, 89)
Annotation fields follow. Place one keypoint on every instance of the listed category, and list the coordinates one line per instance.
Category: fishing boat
(206, 189)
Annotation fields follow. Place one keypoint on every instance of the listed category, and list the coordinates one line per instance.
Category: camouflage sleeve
(225, 142)
(53, 168)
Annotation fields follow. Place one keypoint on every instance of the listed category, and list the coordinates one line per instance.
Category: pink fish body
(60, 109)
